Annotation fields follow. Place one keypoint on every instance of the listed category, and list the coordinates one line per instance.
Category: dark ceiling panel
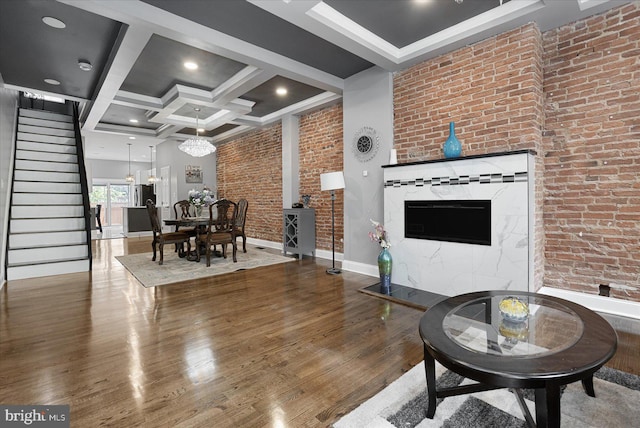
(121, 115)
(268, 102)
(161, 66)
(42, 52)
(250, 23)
(402, 22)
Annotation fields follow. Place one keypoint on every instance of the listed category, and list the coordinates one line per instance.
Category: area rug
(403, 404)
(175, 269)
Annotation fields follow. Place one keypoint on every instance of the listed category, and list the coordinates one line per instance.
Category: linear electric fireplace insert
(466, 221)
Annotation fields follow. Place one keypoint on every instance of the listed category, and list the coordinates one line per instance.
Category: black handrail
(13, 176)
(83, 179)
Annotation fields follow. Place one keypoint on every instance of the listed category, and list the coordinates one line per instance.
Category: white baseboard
(607, 305)
(363, 268)
(322, 254)
(351, 266)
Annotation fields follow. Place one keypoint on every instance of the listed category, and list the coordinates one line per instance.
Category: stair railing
(83, 179)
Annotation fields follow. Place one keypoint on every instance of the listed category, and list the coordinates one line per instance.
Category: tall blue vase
(384, 267)
(452, 147)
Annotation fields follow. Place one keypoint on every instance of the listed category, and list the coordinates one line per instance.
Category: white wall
(367, 101)
(168, 154)
(111, 169)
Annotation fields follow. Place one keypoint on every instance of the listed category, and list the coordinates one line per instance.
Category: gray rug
(175, 269)
(402, 404)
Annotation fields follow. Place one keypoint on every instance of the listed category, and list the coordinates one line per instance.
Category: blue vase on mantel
(384, 267)
(452, 147)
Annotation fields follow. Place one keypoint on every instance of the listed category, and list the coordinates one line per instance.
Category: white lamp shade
(332, 181)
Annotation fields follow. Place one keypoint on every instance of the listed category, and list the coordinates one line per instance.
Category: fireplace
(462, 225)
(464, 221)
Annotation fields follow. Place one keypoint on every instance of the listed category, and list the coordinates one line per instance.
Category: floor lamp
(332, 181)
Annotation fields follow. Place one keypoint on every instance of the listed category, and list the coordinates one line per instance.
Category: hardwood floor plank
(284, 345)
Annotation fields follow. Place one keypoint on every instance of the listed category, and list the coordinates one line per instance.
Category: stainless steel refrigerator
(142, 193)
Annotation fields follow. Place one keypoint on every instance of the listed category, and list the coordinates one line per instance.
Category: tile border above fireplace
(449, 268)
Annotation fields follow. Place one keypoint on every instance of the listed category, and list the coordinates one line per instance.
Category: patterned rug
(403, 404)
(175, 269)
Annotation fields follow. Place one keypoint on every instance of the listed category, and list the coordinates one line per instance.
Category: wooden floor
(280, 346)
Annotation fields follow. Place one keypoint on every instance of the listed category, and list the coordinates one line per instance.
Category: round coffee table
(535, 341)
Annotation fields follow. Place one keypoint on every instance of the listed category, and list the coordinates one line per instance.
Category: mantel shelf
(487, 155)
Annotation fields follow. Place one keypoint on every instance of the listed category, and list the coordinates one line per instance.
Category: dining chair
(160, 238)
(182, 210)
(241, 218)
(222, 218)
(98, 214)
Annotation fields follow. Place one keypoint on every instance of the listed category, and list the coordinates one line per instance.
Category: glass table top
(514, 326)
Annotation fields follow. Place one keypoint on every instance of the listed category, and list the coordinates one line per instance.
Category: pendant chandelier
(197, 147)
(130, 178)
(152, 178)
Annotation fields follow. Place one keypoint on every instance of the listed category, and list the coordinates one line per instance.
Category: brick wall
(321, 150)
(587, 135)
(251, 167)
(492, 90)
(592, 153)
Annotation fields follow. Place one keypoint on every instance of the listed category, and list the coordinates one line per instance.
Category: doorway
(113, 196)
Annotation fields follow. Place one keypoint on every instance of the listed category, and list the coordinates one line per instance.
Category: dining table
(200, 223)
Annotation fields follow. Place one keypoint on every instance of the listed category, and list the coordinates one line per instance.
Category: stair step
(46, 254)
(32, 165)
(46, 224)
(47, 115)
(45, 211)
(29, 240)
(46, 187)
(30, 129)
(31, 155)
(47, 269)
(39, 176)
(45, 123)
(23, 136)
(47, 199)
(45, 148)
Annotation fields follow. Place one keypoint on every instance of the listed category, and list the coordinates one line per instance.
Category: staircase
(47, 230)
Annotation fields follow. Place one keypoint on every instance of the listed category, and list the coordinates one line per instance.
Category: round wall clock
(365, 144)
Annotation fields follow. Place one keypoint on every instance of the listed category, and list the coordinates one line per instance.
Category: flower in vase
(379, 235)
(200, 198)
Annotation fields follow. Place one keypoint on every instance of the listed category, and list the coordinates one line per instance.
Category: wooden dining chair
(98, 214)
(160, 239)
(241, 218)
(222, 218)
(182, 210)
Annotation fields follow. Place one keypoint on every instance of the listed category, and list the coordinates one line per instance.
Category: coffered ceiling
(244, 51)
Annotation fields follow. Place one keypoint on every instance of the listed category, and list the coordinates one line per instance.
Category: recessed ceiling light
(200, 129)
(53, 22)
(133, 120)
(189, 65)
(132, 138)
(52, 81)
(281, 91)
(84, 65)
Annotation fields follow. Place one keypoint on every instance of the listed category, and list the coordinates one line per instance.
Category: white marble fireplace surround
(451, 268)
